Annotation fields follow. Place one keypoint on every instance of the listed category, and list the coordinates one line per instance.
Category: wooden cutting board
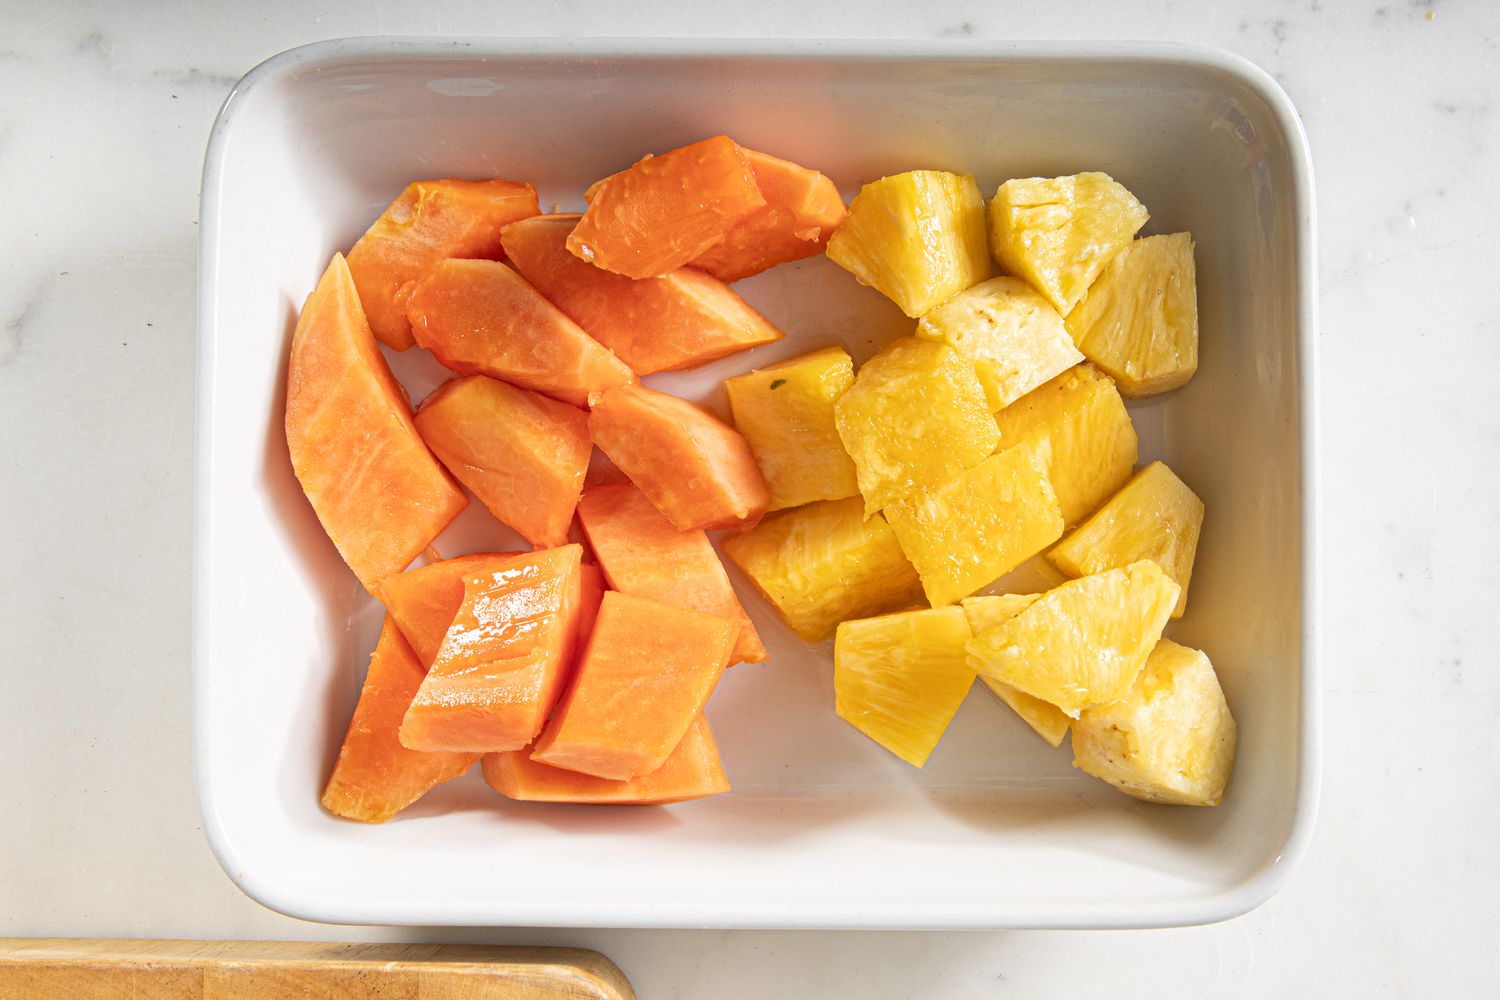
(93, 969)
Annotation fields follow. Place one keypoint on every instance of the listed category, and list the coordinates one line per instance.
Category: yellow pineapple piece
(1015, 338)
(978, 526)
(1139, 320)
(1170, 738)
(826, 562)
(914, 418)
(1081, 643)
(987, 612)
(1059, 232)
(918, 237)
(786, 413)
(1080, 421)
(1155, 516)
(899, 678)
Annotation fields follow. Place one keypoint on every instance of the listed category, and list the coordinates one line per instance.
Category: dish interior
(823, 826)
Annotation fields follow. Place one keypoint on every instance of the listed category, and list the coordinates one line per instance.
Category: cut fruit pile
(995, 435)
(579, 671)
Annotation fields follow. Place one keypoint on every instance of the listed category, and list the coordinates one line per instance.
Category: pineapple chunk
(918, 237)
(1139, 320)
(978, 526)
(993, 610)
(826, 562)
(1155, 516)
(914, 418)
(1170, 738)
(987, 612)
(1059, 232)
(1015, 338)
(1082, 643)
(900, 678)
(1080, 421)
(786, 413)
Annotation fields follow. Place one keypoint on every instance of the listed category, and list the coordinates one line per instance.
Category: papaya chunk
(423, 601)
(379, 493)
(802, 210)
(666, 210)
(641, 553)
(523, 455)
(591, 592)
(429, 222)
(693, 771)
(479, 317)
(646, 674)
(696, 469)
(503, 662)
(681, 319)
(376, 777)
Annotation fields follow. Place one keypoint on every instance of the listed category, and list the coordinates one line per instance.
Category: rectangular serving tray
(823, 829)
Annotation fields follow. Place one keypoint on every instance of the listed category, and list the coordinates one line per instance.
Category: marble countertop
(104, 111)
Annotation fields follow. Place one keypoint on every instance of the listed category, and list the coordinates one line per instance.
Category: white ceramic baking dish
(823, 829)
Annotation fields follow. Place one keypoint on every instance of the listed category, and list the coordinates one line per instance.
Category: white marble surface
(104, 110)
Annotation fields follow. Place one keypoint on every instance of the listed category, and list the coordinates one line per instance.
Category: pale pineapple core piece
(1170, 738)
(1059, 232)
(985, 613)
(915, 418)
(786, 413)
(1015, 338)
(1154, 516)
(979, 525)
(1081, 643)
(900, 678)
(1139, 320)
(826, 562)
(917, 237)
(1079, 421)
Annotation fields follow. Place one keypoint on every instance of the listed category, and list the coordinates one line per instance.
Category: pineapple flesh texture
(1015, 338)
(990, 611)
(786, 413)
(1082, 643)
(1169, 739)
(825, 562)
(1155, 516)
(918, 237)
(900, 678)
(978, 526)
(914, 418)
(1081, 422)
(1139, 320)
(1059, 232)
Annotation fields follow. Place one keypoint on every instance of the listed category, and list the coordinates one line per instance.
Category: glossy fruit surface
(1170, 738)
(666, 210)
(1059, 232)
(696, 469)
(786, 412)
(915, 418)
(478, 317)
(1079, 423)
(1139, 320)
(379, 493)
(1081, 643)
(978, 526)
(900, 678)
(824, 563)
(917, 237)
(678, 320)
(429, 222)
(522, 454)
